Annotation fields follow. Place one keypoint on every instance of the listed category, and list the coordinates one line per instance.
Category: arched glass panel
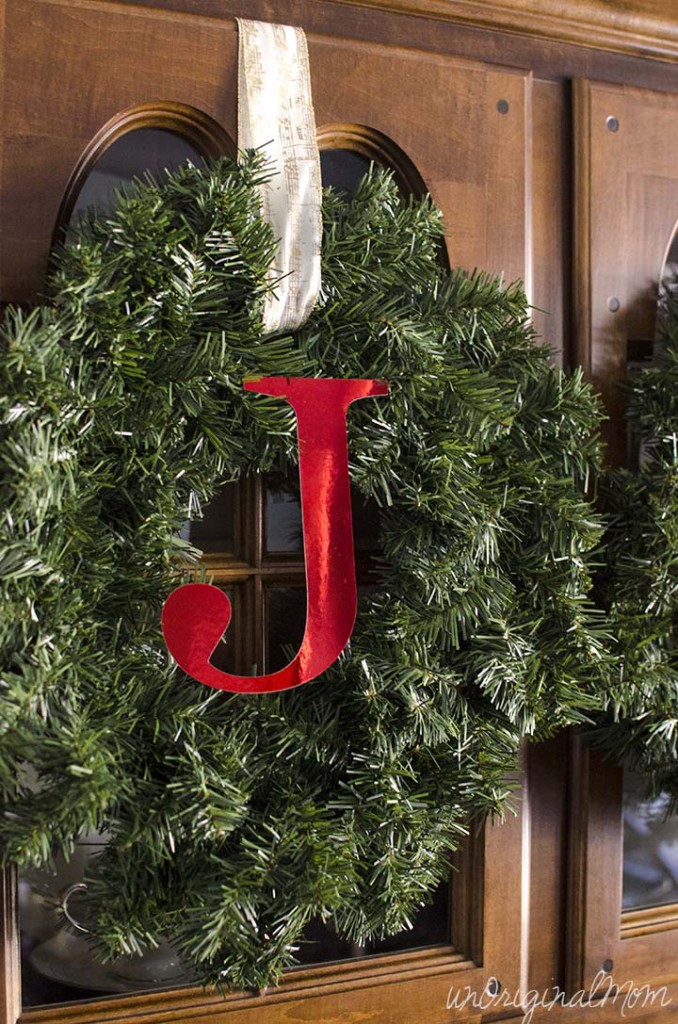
(343, 168)
(346, 151)
(143, 151)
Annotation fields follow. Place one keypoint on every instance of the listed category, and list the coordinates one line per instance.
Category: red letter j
(195, 616)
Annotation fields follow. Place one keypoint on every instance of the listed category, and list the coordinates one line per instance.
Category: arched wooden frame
(377, 147)
(672, 240)
(212, 141)
(196, 127)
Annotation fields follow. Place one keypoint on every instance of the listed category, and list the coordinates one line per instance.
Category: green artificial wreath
(639, 587)
(236, 819)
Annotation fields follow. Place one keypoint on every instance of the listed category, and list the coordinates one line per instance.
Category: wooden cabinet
(626, 185)
(547, 133)
(636, 945)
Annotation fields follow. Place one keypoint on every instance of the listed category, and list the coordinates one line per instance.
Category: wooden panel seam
(581, 263)
(576, 885)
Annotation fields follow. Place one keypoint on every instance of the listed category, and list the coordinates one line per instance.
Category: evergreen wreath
(639, 585)
(235, 819)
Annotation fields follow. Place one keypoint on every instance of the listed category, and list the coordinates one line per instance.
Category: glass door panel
(138, 154)
(650, 848)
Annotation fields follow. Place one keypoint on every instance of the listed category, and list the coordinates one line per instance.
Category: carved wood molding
(644, 28)
(581, 264)
(208, 137)
(648, 920)
(636, 28)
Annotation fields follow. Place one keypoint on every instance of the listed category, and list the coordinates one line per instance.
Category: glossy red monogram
(196, 616)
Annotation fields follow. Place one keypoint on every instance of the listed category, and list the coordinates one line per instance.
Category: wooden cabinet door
(605, 945)
(626, 211)
(626, 215)
(77, 76)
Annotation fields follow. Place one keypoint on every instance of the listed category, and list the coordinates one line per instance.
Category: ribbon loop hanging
(275, 115)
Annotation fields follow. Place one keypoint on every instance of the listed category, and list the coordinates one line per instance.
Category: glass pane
(365, 523)
(343, 168)
(215, 532)
(650, 848)
(145, 150)
(283, 532)
(57, 962)
(285, 611)
(431, 927)
(285, 614)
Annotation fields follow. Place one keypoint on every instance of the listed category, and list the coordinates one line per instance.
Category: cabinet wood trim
(648, 920)
(10, 971)
(635, 947)
(644, 28)
(581, 263)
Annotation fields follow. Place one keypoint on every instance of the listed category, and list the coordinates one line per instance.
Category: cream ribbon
(275, 115)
